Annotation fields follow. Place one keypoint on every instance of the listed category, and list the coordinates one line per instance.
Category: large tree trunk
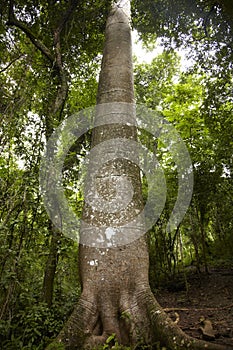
(116, 296)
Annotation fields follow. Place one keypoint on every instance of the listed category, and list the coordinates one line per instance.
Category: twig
(10, 63)
(169, 309)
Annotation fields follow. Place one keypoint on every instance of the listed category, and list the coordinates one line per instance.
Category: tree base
(130, 332)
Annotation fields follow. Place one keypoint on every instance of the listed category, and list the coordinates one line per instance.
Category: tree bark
(51, 266)
(116, 296)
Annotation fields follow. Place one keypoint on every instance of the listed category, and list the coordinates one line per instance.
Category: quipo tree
(113, 254)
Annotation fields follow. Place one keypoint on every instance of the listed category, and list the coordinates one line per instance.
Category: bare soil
(209, 297)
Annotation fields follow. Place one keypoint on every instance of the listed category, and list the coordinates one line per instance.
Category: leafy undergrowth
(32, 327)
(112, 344)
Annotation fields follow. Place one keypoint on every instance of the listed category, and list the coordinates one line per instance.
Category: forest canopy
(50, 56)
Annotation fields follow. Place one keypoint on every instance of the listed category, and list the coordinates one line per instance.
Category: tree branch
(65, 18)
(13, 21)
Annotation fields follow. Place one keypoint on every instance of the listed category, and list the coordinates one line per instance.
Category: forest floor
(205, 309)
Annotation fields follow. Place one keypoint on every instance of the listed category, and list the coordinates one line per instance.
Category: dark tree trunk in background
(51, 266)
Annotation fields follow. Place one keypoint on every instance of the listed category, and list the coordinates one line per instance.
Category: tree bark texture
(116, 297)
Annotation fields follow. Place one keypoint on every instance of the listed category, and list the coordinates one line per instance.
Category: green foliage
(125, 315)
(55, 346)
(198, 105)
(112, 343)
(153, 82)
(31, 328)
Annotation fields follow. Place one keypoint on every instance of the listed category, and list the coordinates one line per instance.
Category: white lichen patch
(100, 239)
(110, 233)
(101, 252)
(93, 262)
(157, 312)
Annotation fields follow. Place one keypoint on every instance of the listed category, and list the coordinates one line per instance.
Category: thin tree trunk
(51, 266)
